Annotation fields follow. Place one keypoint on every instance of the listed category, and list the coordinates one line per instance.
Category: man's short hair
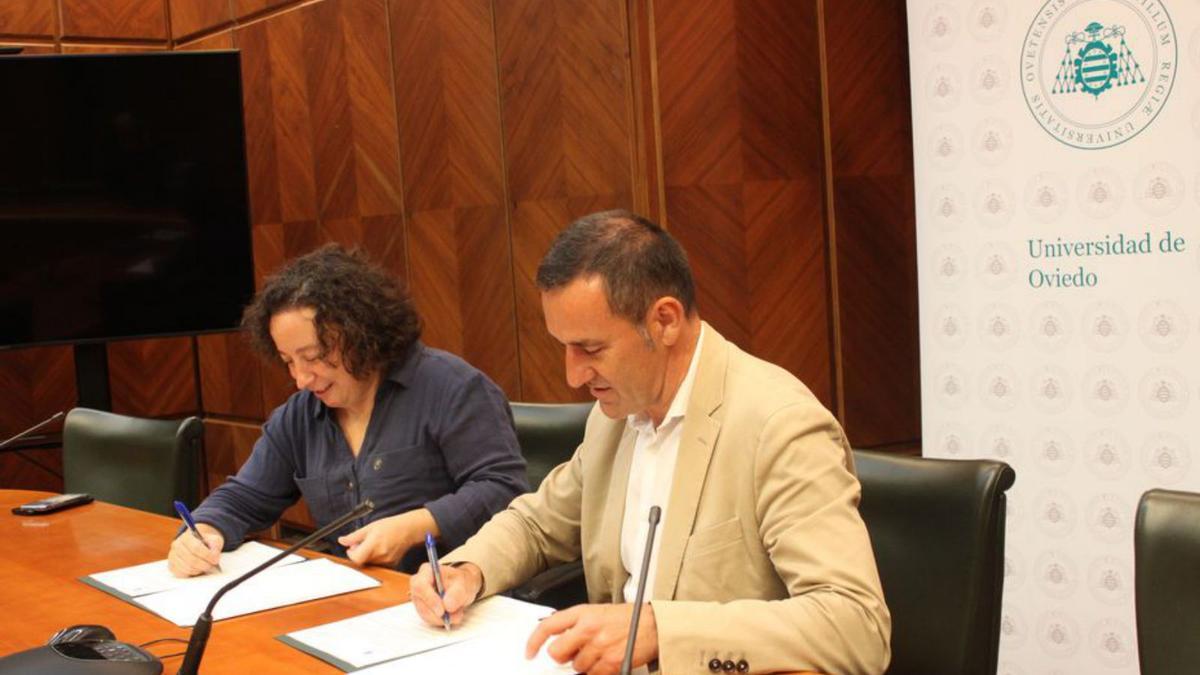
(637, 260)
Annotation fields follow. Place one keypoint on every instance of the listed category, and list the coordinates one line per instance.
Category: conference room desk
(43, 557)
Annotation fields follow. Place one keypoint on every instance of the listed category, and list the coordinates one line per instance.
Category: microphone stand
(199, 639)
(627, 663)
(30, 430)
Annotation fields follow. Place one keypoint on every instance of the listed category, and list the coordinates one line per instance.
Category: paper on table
(397, 632)
(502, 651)
(154, 577)
(274, 587)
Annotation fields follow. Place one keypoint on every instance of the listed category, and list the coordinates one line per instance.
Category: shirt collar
(642, 422)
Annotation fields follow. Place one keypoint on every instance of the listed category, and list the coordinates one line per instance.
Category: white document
(502, 651)
(274, 587)
(292, 580)
(154, 576)
(399, 633)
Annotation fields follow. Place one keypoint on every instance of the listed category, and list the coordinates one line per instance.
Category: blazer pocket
(715, 557)
(714, 538)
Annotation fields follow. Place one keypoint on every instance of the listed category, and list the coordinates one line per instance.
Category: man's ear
(665, 320)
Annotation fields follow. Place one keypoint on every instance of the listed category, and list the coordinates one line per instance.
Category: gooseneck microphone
(627, 663)
(199, 639)
(30, 430)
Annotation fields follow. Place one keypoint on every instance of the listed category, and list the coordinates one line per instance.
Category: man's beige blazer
(763, 555)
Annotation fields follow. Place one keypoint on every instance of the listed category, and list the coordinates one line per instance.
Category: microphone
(627, 663)
(199, 639)
(30, 430)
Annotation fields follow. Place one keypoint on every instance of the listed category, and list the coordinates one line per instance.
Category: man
(762, 562)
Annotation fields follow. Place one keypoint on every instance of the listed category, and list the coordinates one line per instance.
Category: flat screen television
(123, 196)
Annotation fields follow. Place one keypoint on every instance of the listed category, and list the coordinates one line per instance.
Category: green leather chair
(548, 434)
(937, 529)
(136, 462)
(1166, 552)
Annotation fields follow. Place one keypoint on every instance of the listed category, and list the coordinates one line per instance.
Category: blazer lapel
(614, 514)
(698, 436)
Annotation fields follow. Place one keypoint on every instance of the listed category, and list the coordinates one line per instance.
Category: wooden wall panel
(91, 48)
(222, 40)
(115, 19)
(740, 92)
(31, 18)
(28, 48)
(447, 104)
(873, 212)
(567, 113)
(230, 381)
(153, 378)
(37, 382)
(321, 137)
(189, 17)
(246, 8)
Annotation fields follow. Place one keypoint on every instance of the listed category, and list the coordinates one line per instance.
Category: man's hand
(384, 541)
(592, 637)
(463, 583)
(188, 557)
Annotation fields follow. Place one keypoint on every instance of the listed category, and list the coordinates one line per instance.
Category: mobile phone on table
(52, 504)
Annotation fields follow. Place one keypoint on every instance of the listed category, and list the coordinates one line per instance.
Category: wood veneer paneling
(37, 382)
(230, 381)
(739, 84)
(222, 40)
(32, 18)
(120, 19)
(245, 8)
(153, 377)
(189, 17)
(567, 112)
(871, 163)
(447, 105)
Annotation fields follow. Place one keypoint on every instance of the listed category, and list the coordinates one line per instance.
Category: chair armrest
(559, 587)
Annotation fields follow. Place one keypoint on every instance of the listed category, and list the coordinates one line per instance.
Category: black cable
(165, 656)
(154, 642)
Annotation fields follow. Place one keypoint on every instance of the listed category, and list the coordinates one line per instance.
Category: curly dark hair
(361, 310)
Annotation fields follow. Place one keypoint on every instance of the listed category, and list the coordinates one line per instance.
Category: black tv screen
(123, 196)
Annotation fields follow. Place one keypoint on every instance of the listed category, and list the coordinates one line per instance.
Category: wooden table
(42, 558)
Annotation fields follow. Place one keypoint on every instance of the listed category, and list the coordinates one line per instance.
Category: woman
(419, 432)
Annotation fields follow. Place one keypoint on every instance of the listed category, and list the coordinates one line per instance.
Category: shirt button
(378, 463)
(728, 666)
(743, 666)
(715, 665)
(350, 485)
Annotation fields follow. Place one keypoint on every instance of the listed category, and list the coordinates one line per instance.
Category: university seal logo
(1096, 73)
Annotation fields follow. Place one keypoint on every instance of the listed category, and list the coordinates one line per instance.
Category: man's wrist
(475, 573)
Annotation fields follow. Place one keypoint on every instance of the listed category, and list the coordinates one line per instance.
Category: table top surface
(44, 557)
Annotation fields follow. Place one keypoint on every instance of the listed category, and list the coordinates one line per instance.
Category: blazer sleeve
(834, 619)
(537, 531)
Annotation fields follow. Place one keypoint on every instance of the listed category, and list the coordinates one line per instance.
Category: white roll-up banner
(1057, 170)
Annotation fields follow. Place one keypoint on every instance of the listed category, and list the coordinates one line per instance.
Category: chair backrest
(1166, 552)
(937, 528)
(141, 463)
(548, 433)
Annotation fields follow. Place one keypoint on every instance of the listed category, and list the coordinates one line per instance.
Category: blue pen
(191, 524)
(431, 551)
